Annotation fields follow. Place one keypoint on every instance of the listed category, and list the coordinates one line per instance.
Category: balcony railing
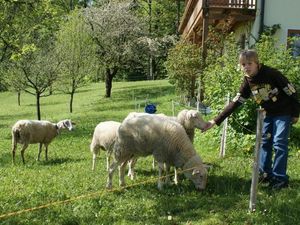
(248, 4)
(236, 10)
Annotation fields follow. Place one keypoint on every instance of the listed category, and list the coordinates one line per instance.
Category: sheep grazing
(104, 138)
(166, 140)
(189, 119)
(27, 132)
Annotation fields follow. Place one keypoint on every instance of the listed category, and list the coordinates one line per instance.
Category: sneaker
(277, 184)
(264, 178)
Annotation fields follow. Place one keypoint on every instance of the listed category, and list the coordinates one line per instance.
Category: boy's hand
(295, 120)
(208, 125)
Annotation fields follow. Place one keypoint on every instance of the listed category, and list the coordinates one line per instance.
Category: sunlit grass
(68, 173)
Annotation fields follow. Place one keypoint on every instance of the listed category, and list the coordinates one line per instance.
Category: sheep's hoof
(131, 175)
(122, 184)
(109, 186)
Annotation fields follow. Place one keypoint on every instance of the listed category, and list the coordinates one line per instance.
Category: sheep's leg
(40, 150)
(168, 174)
(94, 161)
(14, 148)
(167, 168)
(108, 157)
(107, 162)
(111, 171)
(153, 163)
(22, 152)
(131, 165)
(122, 174)
(160, 170)
(175, 176)
(46, 152)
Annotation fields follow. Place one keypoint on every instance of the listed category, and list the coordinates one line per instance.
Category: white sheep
(166, 140)
(27, 132)
(103, 138)
(189, 119)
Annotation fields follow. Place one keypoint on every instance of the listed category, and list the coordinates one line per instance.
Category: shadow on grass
(6, 160)
(182, 202)
(59, 161)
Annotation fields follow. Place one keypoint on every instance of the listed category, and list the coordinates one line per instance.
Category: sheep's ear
(68, 124)
(195, 171)
(191, 114)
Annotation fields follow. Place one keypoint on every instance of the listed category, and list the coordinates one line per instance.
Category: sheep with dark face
(27, 132)
(166, 140)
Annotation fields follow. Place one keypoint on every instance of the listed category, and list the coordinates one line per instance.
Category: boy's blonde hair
(248, 55)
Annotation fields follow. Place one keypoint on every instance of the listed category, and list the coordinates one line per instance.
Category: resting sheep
(103, 138)
(27, 132)
(189, 119)
(166, 140)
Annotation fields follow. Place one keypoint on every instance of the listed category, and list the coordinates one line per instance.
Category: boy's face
(250, 67)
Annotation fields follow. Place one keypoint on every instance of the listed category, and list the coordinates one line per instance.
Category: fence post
(253, 191)
(173, 108)
(224, 132)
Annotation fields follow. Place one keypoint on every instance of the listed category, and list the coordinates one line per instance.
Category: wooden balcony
(200, 13)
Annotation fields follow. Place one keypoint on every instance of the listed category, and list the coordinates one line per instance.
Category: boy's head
(249, 62)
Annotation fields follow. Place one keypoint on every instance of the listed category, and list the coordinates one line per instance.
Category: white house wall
(283, 12)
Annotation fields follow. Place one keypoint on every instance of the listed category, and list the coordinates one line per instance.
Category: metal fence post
(253, 191)
(224, 132)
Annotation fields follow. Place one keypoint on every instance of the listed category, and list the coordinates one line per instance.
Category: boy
(278, 98)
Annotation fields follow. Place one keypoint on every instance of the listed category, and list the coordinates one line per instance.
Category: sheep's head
(196, 172)
(191, 119)
(66, 124)
(198, 176)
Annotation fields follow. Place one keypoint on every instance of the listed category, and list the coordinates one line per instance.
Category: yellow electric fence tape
(99, 193)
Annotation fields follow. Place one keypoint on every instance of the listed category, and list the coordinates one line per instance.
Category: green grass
(70, 193)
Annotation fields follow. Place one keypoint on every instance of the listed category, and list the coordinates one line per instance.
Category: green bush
(223, 77)
(183, 66)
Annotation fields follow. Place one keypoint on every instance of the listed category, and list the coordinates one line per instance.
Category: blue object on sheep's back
(150, 108)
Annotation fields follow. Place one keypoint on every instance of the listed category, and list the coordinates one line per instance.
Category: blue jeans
(275, 133)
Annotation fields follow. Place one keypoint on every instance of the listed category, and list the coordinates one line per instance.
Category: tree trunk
(193, 85)
(19, 98)
(108, 84)
(38, 107)
(72, 95)
(178, 18)
(50, 90)
(151, 77)
(110, 73)
(71, 101)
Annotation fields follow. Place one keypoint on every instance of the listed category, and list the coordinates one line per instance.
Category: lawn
(65, 191)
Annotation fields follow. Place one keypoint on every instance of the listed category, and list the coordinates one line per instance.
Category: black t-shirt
(270, 89)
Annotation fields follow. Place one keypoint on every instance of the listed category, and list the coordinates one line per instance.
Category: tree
(77, 55)
(38, 71)
(183, 66)
(23, 23)
(116, 32)
(12, 77)
(162, 19)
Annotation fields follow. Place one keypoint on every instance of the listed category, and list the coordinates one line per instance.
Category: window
(294, 42)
